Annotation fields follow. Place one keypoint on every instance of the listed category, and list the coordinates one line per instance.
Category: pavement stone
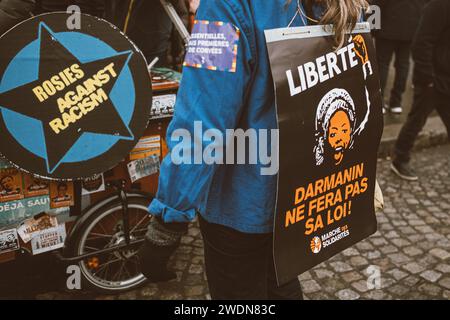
(431, 275)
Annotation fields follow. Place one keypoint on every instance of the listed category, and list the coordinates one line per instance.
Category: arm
(216, 98)
(363, 54)
(14, 11)
(431, 28)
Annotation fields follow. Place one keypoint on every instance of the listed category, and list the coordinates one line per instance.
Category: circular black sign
(73, 103)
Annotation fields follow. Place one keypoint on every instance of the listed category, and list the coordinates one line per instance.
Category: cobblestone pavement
(411, 248)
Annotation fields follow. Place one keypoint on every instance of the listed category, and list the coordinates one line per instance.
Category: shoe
(404, 171)
(396, 110)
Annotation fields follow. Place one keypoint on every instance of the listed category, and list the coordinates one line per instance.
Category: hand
(161, 241)
(361, 48)
(193, 5)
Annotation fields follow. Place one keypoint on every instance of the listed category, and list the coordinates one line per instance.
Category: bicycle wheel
(119, 270)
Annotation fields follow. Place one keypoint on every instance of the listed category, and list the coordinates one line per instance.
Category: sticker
(146, 147)
(61, 194)
(49, 239)
(30, 227)
(163, 105)
(10, 184)
(15, 211)
(139, 169)
(9, 241)
(34, 186)
(93, 184)
(213, 46)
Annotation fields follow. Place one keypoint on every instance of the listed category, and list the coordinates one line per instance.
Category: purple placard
(213, 45)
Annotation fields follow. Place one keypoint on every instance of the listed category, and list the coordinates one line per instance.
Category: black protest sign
(73, 103)
(330, 121)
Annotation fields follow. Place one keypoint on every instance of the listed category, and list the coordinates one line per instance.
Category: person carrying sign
(235, 202)
(431, 54)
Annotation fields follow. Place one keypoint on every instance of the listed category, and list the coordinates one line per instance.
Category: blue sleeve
(216, 98)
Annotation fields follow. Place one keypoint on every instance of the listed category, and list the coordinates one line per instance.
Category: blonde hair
(342, 15)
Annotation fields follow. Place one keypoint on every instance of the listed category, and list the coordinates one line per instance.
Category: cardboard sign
(10, 184)
(73, 103)
(330, 121)
(9, 241)
(61, 194)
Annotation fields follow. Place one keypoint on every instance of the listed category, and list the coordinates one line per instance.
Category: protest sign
(330, 121)
(73, 103)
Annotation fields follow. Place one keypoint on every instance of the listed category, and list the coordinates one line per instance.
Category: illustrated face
(339, 135)
(62, 190)
(8, 183)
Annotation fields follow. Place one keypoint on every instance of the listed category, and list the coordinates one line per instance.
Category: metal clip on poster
(179, 25)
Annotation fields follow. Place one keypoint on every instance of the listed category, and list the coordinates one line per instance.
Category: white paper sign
(30, 227)
(49, 239)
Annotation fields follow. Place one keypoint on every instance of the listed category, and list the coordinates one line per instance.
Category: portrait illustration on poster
(10, 184)
(330, 120)
(34, 186)
(61, 194)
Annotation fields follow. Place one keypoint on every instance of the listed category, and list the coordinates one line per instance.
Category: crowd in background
(419, 29)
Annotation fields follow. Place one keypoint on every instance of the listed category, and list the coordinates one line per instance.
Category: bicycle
(105, 239)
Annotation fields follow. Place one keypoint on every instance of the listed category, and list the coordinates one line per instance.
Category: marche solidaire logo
(73, 103)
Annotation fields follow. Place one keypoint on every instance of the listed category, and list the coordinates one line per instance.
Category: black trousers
(385, 51)
(426, 99)
(239, 266)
